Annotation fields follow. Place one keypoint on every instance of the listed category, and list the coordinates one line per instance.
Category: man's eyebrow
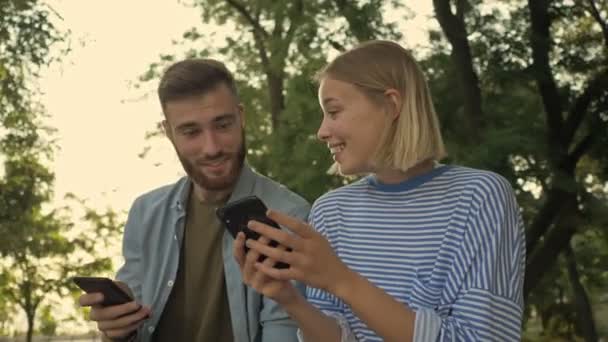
(224, 117)
(187, 125)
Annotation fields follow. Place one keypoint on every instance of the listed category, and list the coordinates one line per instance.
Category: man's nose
(211, 144)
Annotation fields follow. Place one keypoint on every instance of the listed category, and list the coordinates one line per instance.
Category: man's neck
(211, 196)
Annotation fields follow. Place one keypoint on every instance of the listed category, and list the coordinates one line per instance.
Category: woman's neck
(392, 176)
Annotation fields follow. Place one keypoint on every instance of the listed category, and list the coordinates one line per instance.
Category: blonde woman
(414, 250)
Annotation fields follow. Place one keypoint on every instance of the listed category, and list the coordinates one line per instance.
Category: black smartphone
(112, 294)
(235, 216)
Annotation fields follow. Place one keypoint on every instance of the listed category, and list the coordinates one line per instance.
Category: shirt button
(151, 329)
(170, 283)
(175, 237)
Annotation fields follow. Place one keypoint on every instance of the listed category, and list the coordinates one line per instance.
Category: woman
(415, 250)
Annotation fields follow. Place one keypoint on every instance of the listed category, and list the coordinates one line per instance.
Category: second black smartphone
(112, 294)
(235, 216)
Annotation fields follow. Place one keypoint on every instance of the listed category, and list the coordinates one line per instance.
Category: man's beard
(228, 181)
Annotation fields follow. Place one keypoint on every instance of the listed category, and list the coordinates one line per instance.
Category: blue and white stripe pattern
(449, 244)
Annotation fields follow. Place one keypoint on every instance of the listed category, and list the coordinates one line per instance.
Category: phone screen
(235, 216)
(112, 294)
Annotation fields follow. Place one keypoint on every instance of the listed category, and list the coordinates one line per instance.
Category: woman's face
(352, 125)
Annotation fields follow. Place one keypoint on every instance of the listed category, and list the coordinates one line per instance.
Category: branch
(595, 13)
(542, 259)
(594, 89)
(545, 217)
(259, 34)
(461, 7)
(243, 11)
(295, 18)
(581, 299)
(453, 26)
(541, 45)
(580, 149)
(358, 26)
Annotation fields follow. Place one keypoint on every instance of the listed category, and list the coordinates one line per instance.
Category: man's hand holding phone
(118, 320)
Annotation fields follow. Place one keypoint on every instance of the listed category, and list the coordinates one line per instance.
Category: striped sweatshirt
(449, 244)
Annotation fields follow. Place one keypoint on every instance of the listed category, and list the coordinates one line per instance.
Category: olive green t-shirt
(197, 308)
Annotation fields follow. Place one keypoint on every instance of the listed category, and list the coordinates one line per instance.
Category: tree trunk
(581, 300)
(454, 28)
(277, 99)
(30, 325)
(555, 240)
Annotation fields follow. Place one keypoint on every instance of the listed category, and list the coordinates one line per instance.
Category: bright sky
(101, 120)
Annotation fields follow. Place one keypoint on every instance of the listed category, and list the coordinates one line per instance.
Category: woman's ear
(394, 102)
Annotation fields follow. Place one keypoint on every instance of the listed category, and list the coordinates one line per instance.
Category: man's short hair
(193, 77)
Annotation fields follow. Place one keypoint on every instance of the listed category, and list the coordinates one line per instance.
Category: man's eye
(190, 132)
(223, 124)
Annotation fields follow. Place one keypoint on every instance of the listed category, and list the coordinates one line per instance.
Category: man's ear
(394, 103)
(241, 110)
(167, 129)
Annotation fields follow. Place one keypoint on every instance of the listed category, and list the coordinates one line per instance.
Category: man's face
(207, 132)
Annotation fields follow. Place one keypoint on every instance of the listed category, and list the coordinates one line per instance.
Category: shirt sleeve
(487, 276)
(130, 272)
(346, 334)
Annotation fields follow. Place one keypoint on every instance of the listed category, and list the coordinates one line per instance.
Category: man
(179, 265)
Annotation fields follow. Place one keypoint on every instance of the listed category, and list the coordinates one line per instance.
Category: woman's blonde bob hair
(376, 66)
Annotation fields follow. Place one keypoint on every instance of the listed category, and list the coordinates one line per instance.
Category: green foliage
(26, 35)
(48, 325)
(39, 251)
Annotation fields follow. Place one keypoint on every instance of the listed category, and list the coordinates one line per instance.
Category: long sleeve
(486, 276)
(131, 271)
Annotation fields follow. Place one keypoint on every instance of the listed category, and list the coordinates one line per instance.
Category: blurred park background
(521, 88)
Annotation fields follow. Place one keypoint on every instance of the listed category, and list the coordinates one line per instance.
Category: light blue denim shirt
(151, 249)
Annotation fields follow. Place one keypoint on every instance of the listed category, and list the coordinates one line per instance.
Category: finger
(275, 273)
(238, 250)
(123, 321)
(99, 313)
(121, 333)
(259, 278)
(293, 224)
(90, 299)
(278, 235)
(262, 239)
(249, 271)
(277, 254)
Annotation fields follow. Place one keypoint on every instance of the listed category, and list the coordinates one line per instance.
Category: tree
(38, 253)
(533, 97)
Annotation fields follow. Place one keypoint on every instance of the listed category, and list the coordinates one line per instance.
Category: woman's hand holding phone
(311, 258)
(277, 290)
